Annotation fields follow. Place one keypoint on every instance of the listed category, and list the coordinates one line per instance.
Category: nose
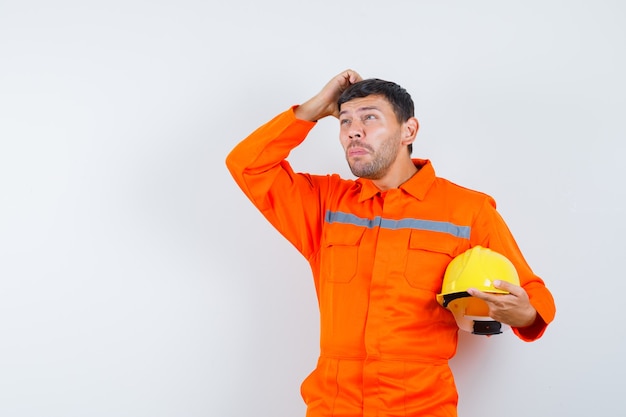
(356, 130)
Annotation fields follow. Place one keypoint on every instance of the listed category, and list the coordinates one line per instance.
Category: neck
(397, 176)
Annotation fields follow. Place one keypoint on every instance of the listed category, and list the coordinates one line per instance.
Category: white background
(137, 280)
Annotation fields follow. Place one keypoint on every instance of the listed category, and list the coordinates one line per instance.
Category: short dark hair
(398, 97)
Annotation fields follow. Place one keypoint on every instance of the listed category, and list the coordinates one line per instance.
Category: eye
(344, 122)
(369, 117)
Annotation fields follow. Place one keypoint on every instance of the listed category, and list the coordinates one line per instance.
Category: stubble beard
(380, 161)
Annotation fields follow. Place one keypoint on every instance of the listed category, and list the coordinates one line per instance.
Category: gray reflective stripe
(417, 224)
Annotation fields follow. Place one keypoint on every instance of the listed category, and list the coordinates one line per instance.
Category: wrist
(312, 110)
(531, 318)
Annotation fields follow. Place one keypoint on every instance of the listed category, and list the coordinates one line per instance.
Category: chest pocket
(340, 256)
(428, 255)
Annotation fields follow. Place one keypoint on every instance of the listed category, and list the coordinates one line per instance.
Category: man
(378, 248)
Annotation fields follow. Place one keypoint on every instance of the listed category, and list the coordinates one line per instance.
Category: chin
(366, 174)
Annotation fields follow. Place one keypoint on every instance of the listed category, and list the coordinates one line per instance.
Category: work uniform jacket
(378, 260)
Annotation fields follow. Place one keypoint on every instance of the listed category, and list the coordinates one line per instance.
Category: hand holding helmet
(513, 308)
(481, 289)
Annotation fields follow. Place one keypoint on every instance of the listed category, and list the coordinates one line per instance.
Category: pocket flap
(344, 235)
(434, 242)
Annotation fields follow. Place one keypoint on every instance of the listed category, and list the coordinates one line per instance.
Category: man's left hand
(513, 308)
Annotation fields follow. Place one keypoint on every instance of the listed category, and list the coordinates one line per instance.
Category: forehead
(375, 102)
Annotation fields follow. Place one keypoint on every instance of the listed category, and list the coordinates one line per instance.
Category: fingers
(325, 102)
(352, 76)
(507, 286)
(516, 296)
(512, 289)
(342, 81)
(513, 308)
(485, 296)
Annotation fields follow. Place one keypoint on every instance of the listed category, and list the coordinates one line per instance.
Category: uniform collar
(417, 185)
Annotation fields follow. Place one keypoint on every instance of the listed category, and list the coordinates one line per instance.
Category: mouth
(355, 151)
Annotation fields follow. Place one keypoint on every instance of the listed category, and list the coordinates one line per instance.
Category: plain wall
(137, 280)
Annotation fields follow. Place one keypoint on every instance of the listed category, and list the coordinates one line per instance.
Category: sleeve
(290, 201)
(495, 234)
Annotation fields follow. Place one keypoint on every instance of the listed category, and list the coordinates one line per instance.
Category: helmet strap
(448, 298)
(487, 327)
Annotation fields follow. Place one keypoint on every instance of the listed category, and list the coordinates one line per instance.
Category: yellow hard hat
(476, 268)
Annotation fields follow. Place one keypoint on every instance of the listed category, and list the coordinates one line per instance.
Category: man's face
(370, 135)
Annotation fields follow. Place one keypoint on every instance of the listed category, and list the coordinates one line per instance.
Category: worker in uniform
(378, 247)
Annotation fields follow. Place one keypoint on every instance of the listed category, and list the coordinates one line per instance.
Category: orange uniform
(378, 260)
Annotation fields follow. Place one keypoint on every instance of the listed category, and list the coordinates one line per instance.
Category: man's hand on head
(324, 103)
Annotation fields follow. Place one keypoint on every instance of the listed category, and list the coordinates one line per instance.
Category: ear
(409, 130)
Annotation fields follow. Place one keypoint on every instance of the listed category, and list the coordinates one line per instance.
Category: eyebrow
(361, 109)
